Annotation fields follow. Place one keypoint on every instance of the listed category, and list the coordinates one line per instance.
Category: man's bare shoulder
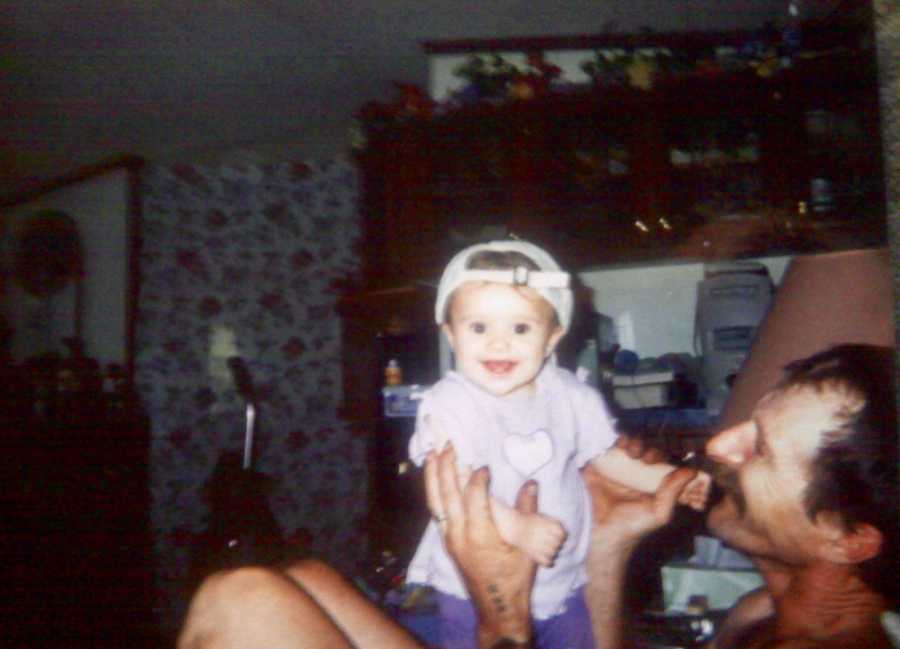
(751, 625)
(762, 636)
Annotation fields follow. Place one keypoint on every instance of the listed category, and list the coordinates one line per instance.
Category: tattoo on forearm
(509, 643)
(496, 599)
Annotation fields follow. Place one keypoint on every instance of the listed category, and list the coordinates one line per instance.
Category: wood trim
(134, 250)
(37, 189)
(680, 40)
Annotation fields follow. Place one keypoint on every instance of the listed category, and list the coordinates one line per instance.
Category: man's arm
(499, 577)
(752, 609)
(622, 517)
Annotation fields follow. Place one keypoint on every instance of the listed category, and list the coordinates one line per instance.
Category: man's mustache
(725, 481)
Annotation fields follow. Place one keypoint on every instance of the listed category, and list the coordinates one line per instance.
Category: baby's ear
(448, 332)
(553, 341)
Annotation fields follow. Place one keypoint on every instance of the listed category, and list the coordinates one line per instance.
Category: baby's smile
(499, 367)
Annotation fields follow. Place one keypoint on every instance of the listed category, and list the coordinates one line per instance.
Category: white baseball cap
(549, 281)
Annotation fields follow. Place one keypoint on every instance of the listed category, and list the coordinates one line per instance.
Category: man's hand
(622, 517)
(498, 576)
(626, 515)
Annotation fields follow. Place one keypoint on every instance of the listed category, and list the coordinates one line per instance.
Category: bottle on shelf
(393, 373)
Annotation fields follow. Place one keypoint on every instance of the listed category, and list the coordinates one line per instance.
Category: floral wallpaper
(247, 260)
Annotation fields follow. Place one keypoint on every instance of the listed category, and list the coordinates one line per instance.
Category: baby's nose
(498, 341)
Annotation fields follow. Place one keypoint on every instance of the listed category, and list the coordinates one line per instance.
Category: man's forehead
(804, 412)
(829, 396)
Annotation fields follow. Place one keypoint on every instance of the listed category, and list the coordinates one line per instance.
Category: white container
(644, 389)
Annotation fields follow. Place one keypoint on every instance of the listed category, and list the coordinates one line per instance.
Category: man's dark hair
(855, 470)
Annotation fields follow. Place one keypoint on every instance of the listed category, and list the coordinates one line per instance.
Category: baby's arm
(539, 536)
(617, 465)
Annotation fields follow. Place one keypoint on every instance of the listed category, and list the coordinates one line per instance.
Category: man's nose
(733, 446)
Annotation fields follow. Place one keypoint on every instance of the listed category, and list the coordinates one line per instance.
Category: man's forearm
(504, 619)
(607, 566)
(621, 520)
(506, 643)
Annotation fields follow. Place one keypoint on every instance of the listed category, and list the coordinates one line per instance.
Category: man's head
(812, 475)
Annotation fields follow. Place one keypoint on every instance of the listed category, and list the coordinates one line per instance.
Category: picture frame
(85, 225)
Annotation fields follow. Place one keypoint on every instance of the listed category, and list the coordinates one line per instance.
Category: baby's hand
(540, 537)
(696, 493)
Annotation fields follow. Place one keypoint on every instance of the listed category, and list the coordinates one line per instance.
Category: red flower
(191, 262)
(216, 218)
(271, 301)
(301, 259)
(297, 439)
(293, 348)
(210, 306)
(300, 170)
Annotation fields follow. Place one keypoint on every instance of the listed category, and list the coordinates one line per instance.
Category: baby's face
(501, 335)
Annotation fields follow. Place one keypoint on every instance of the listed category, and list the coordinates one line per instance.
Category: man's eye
(759, 445)
(477, 327)
(522, 328)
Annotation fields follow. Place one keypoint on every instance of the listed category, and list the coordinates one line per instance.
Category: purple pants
(571, 629)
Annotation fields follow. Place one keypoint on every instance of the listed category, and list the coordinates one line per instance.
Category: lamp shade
(823, 300)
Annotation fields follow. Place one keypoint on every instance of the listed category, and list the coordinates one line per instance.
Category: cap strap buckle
(520, 276)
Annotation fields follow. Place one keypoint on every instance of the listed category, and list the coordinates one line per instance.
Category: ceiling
(205, 81)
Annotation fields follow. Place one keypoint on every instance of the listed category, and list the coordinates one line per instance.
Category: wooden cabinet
(697, 167)
(75, 535)
(377, 326)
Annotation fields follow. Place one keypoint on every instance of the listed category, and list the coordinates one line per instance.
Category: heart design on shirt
(528, 453)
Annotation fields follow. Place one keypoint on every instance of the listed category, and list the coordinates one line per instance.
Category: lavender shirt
(546, 436)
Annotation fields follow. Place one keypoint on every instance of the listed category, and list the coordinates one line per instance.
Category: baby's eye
(522, 328)
(477, 327)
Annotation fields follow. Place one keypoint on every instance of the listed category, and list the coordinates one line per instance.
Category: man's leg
(257, 607)
(363, 623)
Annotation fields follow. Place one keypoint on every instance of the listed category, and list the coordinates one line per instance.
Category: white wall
(100, 207)
(653, 306)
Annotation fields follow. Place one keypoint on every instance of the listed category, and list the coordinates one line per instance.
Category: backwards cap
(550, 281)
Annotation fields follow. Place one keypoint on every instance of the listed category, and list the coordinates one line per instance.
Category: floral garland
(491, 79)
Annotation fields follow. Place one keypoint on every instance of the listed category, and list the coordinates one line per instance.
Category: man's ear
(553, 341)
(840, 545)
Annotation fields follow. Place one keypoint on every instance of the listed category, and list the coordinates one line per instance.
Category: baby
(503, 307)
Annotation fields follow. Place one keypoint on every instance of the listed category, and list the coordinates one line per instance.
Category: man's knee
(220, 598)
(228, 585)
(312, 571)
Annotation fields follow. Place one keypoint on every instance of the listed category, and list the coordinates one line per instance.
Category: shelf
(616, 174)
